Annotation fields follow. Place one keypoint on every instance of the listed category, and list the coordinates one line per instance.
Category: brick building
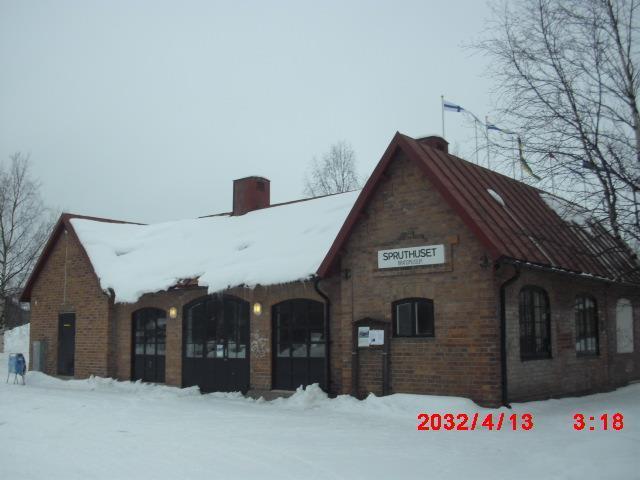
(439, 277)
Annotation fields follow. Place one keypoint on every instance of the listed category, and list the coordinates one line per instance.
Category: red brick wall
(463, 357)
(83, 296)
(565, 372)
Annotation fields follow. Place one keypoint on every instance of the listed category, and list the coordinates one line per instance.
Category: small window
(586, 313)
(413, 317)
(624, 326)
(535, 324)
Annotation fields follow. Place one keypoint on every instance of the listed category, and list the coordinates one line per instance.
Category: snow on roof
(269, 246)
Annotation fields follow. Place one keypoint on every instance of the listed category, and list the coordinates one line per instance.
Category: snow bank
(16, 340)
(269, 246)
(109, 385)
(398, 404)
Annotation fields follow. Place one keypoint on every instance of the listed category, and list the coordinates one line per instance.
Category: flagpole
(486, 124)
(553, 179)
(442, 109)
(475, 127)
(513, 146)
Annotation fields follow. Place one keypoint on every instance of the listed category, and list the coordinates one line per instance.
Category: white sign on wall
(363, 336)
(376, 337)
(368, 337)
(411, 256)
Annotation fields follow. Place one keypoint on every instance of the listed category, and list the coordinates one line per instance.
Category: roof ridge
(280, 204)
(70, 216)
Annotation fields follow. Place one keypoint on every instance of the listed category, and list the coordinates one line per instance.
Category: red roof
(526, 229)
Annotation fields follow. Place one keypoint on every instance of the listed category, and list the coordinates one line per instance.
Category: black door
(66, 343)
(216, 344)
(299, 344)
(149, 341)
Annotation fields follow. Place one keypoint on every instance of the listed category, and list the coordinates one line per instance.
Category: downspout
(503, 337)
(327, 333)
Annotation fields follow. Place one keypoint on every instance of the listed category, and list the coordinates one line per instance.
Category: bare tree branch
(568, 76)
(335, 173)
(24, 226)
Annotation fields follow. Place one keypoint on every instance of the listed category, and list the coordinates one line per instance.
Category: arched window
(413, 317)
(586, 312)
(624, 326)
(535, 324)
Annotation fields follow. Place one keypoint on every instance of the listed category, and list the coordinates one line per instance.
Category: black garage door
(299, 344)
(149, 344)
(216, 344)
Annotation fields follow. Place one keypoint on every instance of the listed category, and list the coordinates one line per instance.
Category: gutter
(503, 337)
(327, 333)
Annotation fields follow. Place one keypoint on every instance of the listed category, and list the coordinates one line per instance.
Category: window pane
(284, 351)
(241, 351)
(624, 326)
(316, 336)
(424, 314)
(535, 337)
(316, 316)
(283, 320)
(316, 350)
(232, 348)
(150, 337)
(300, 321)
(404, 320)
(586, 315)
(299, 350)
(161, 334)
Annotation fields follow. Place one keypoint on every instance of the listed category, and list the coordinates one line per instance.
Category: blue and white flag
(447, 105)
(491, 126)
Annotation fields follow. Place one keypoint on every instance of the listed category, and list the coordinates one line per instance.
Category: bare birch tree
(568, 82)
(24, 226)
(335, 173)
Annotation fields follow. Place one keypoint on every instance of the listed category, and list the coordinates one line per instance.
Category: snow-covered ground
(99, 428)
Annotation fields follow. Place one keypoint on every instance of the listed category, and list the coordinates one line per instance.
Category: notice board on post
(369, 335)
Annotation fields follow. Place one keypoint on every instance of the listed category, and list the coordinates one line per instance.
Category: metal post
(486, 132)
(475, 127)
(442, 108)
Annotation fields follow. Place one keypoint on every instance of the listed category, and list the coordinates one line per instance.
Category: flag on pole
(491, 126)
(523, 163)
(452, 107)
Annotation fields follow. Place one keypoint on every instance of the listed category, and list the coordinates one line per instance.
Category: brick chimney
(250, 193)
(435, 141)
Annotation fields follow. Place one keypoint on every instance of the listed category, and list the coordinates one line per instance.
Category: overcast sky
(147, 110)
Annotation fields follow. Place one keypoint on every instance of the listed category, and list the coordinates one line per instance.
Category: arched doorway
(215, 353)
(299, 344)
(149, 345)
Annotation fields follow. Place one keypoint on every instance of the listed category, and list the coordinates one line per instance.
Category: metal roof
(523, 227)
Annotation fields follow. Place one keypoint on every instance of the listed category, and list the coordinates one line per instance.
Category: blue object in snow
(17, 366)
